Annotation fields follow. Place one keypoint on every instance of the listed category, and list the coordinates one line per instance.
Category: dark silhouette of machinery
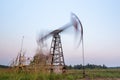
(57, 63)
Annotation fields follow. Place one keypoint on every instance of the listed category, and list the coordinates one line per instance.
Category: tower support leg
(57, 63)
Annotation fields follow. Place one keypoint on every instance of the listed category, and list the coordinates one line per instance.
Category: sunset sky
(29, 18)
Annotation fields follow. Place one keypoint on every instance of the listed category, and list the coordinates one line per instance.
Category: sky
(29, 18)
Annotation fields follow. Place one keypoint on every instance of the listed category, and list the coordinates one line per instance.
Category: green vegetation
(8, 74)
(3, 66)
(88, 66)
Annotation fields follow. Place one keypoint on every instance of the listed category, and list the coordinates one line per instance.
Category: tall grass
(103, 73)
(7, 74)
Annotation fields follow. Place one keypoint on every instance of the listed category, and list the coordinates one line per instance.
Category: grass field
(91, 74)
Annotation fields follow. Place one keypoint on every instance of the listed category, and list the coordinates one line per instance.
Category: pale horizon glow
(28, 18)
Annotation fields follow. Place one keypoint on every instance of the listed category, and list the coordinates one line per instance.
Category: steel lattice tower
(56, 52)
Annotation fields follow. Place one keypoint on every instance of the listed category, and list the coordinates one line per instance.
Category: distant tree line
(88, 66)
(3, 66)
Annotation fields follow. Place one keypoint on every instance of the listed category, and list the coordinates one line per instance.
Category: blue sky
(100, 19)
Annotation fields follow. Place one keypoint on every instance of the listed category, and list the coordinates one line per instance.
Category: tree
(40, 59)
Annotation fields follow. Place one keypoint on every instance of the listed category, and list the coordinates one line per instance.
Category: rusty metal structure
(20, 61)
(57, 63)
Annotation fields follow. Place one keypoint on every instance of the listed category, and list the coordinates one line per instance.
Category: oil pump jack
(57, 63)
